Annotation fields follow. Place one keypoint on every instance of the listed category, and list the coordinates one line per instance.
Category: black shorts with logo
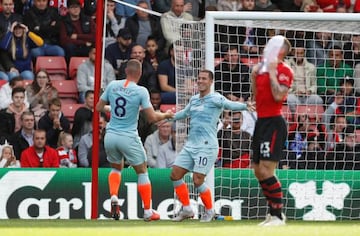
(269, 139)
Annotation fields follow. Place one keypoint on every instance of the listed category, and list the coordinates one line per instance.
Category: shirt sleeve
(285, 76)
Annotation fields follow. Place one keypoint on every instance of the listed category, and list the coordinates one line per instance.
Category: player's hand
(250, 105)
(169, 114)
(107, 108)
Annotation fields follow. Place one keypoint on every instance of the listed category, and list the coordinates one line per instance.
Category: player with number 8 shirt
(122, 140)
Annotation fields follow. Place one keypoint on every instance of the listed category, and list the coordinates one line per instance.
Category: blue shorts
(119, 146)
(197, 160)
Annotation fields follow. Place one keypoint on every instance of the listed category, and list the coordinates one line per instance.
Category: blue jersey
(125, 98)
(204, 115)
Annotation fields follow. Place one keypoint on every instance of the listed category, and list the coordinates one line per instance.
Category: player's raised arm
(278, 90)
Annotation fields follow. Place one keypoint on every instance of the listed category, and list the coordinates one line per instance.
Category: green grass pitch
(168, 228)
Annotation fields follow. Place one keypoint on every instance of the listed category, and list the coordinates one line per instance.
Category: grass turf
(162, 228)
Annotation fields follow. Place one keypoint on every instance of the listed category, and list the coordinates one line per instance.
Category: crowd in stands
(37, 129)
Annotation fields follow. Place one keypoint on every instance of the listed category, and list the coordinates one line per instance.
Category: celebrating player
(122, 139)
(200, 151)
(271, 81)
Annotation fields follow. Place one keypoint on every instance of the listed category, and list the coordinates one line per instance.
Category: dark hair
(88, 92)
(55, 102)
(209, 72)
(15, 79)
(35, 85)
(17, 90)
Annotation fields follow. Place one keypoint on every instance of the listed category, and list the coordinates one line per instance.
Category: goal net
(319, 171)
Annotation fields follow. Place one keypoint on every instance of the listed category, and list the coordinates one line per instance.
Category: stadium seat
(70, 109)
(286, 113)
(166, 107)
(314, 112)
(67, 89)
(2, 82)
(250, 61)
(74, 64)
(54, 65)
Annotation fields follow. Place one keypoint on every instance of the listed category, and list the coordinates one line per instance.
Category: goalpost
(311, 193)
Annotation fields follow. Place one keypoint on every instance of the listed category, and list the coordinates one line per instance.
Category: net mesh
(318, 140)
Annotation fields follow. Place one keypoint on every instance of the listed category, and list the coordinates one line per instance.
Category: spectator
(235, 144)
(330, 74)
(45, 22)
(231, 77)
(345, 102)
(145, 128)
(288, 5)
(21, 6)
(303, 90)
(229, 5)
(54, 122)
(18, 42)
(317, 50)
(155, 140)
(152, 54)
(6, 66)
(7, 158)
(39, 93)
(103, 162)
(77, 32)
(142, 25)
(85, 75)
(66, 153)
(346, 154)
(126, 11)
(83, 118)
(167, 152)
(265, 5)
(335, 131)
(7, 16)
(23, 138)
(166, 78)
(119, 52)
(10, 116)
(352, 58)
(39, 155)
(148, 77)
(177, 12)
(86, 142)
(6, 90)
(114, 23)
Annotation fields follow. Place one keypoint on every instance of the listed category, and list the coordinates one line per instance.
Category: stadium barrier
(66, 194)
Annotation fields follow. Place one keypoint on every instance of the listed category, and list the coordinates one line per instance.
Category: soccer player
(200, 151)
(122, 140)
(271, 81)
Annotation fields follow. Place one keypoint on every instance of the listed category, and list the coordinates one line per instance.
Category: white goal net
(319, 171)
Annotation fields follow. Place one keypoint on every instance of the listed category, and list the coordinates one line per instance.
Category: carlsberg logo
(332, 195)
(49, 206)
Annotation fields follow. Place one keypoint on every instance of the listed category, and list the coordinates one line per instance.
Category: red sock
(114, 179)
(183, 194)
(206, 199)
(145, 194)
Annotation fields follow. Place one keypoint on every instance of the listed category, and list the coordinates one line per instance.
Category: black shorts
(269, 139)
